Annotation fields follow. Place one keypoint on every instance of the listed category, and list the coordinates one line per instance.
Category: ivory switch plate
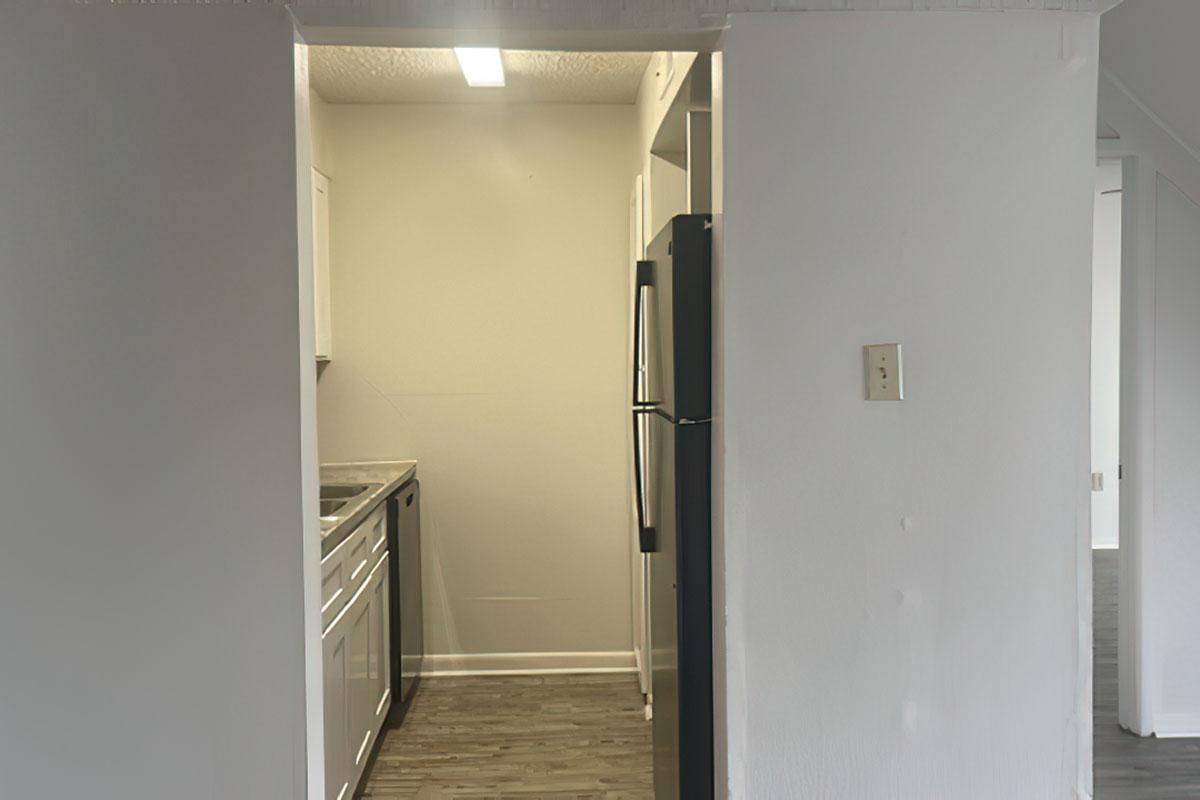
(885, 380)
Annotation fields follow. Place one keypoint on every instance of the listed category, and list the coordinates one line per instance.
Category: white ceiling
(420, 75)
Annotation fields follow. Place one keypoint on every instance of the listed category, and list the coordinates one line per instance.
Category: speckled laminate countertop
(385, 478)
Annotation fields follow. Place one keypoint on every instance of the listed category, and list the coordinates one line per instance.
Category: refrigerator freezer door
(678, 324)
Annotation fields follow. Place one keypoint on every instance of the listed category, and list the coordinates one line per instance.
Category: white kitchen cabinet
(321, 263)
(381, 673)
(368, 656)
(336, 668)
(356, 649)
(361, 711)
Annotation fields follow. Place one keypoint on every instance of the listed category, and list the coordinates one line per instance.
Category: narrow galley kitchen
(481, 220)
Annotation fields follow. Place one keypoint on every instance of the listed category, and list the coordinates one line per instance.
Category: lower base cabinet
(357, 680)
(337, 709)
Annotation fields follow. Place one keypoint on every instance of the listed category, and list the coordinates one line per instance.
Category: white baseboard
(448, 664)
(1177, 726)
(637, 666)
(1106, 546)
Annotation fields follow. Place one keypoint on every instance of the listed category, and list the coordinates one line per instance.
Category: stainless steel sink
(330, 508)
(339, 497)
(334, 491)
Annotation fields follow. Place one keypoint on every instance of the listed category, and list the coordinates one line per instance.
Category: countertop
(389, 475)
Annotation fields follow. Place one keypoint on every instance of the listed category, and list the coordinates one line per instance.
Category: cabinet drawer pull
(332, 600)
(362, 590)
(383, 702)
(362, 747)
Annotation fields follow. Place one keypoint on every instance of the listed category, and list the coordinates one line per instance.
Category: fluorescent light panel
(481, 66)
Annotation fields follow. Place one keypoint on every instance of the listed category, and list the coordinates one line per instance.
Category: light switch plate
(885, 378)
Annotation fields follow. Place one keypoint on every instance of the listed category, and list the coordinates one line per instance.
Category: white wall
(480, 301)
(1151, 46)
(1176, 616)
(907, 583)
(664, 184)
(1156, 116)
(151, 598)
(322, 158)
(1106, 352)
(1158, 649)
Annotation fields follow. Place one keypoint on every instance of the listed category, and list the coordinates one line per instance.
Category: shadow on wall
(382, 430)
(356, 397)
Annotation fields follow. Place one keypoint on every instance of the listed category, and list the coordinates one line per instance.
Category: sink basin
(334, 491)
(331, 507)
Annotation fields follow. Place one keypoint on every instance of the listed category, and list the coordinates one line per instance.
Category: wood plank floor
(561, 736)
(1129, 767)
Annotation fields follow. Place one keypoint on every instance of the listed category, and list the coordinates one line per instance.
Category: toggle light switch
(885, 380)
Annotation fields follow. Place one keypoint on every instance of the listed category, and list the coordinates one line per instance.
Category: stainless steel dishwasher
(404, 534)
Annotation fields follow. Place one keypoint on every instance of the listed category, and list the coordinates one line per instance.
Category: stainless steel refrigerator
(672, 408)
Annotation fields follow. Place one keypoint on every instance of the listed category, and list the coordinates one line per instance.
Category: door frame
(1135, 492)
(343, 26)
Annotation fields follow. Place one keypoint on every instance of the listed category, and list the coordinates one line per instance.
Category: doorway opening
(480, 255)
(1105, 449)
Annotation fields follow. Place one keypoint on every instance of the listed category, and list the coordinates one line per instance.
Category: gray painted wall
(906, 616)
(150, 429)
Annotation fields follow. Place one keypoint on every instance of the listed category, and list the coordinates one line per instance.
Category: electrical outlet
(885, 379)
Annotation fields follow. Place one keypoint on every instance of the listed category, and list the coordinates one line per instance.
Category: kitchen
(488, 510)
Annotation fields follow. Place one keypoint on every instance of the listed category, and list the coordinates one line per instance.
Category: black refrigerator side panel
(695, 619)
(682, 316)
(404, 599)
(396, 713)
(412, 634)
(665, 641)
(691, 245)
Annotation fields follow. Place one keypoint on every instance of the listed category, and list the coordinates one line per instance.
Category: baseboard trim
(454, 664)
(1177, 726)
(637, 666)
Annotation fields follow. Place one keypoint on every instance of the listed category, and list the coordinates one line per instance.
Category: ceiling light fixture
(481, 66)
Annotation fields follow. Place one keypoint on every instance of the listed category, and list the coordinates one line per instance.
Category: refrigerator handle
(647, 539)
(647, 535)
(645, 280)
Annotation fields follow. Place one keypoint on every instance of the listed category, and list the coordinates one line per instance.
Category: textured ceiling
(413, 75)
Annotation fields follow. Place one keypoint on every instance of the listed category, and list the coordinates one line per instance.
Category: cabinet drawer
(361, 555)
(376, 526)
(335, 582)
(347, 566)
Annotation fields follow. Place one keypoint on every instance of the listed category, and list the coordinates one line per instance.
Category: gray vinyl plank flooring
(559, 736)
(1129, 767)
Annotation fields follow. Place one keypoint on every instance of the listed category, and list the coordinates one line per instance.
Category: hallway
(1129, 767)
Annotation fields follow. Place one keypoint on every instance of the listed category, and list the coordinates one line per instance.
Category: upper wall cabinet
(321, 259)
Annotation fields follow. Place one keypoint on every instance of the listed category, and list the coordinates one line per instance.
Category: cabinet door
(336, 658)
(321, 261)
(362, 707)
(380, 643)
